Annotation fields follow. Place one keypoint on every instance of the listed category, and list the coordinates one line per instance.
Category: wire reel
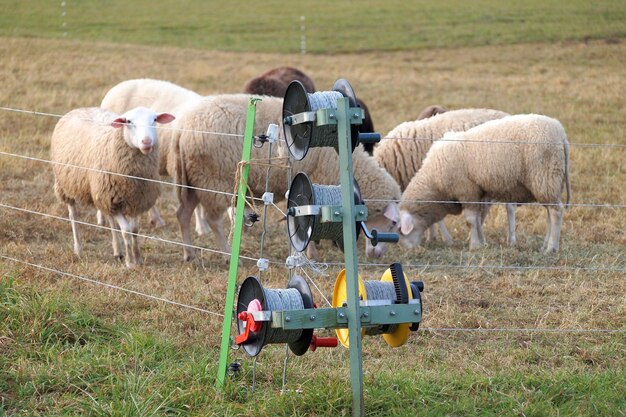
(302, 130)
(393, 288)
(305, 202)
(254, 307)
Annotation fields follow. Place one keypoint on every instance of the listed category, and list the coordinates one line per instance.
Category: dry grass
(581, 84)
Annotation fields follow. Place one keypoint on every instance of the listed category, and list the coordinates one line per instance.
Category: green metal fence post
(236, 247)
(346, 179)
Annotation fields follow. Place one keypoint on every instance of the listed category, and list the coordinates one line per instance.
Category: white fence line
(230, 194)
(111, 286)
(316, 265)
(205, 311)
(175, 129)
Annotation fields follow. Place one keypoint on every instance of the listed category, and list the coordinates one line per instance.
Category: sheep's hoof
(119, 257)
(189, 258)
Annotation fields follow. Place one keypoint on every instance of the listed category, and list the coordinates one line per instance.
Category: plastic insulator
(268, 198)
(263, 264)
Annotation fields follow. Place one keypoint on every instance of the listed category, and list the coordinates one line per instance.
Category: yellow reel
(340, 296)
(394, 339)
(399, 336)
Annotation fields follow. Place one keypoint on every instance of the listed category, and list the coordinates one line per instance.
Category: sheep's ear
(406, 223)
(392, 213)
(119, 122)
(164, 118)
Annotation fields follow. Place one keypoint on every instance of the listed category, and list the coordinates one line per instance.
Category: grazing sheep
(479, 165)
(160, 96)
(275, 82)
(101, 140)
(406, 145)
(199, 152)
(431, 111)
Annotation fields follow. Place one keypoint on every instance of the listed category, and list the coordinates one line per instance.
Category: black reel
(303, 222)
(301, 131)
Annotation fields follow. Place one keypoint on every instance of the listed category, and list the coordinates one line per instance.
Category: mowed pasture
(69, 347)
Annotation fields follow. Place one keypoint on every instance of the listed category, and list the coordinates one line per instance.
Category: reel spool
(393, 288)
(303, 212)
(299, 117)
(254, 307)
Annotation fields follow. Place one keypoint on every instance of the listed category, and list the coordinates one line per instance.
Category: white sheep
(516, 159)
(200, 152)
(160, 96)
(89, 147)
(402, 151)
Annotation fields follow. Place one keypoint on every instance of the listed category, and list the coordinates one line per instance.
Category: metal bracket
(334, 318)
(296, 119)
(328, 214)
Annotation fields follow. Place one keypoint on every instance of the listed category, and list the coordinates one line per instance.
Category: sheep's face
(387, 222)
(411, 229)
(140, 127)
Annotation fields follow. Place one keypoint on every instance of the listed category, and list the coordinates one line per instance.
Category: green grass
(330, 26)
(59, 359)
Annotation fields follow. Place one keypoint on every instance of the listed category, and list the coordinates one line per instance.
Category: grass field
(328, 26)
(69, 347)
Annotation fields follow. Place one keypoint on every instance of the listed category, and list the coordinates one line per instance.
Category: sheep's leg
(431, 234)
(217, 226)
(129, 240)
(184, 213)
(555, 222)
(134, 225)
(474, 220)
(510, 215)
(202, 226)
(312, 252)
(445, 235)
(155, 217)
(484, 211)
(100, 218)
(117, 253)
(546, 239)
(73, 215)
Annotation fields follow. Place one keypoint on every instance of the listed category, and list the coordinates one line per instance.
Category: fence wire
(230, 194)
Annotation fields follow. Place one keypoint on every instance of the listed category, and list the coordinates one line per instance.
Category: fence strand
(111, 286)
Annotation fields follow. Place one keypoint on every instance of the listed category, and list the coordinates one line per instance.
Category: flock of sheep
(444, 162)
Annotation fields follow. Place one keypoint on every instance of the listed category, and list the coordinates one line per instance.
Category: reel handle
(376, 237)
(369, 137)
(322, 342)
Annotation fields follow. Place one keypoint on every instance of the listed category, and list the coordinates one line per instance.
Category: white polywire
(112, 286)
(520, 330)
(173, 129)
(32, 158)
(320, 267)
(512, 142)
(427, 329)
(110, 229)
(593, 205)
(584, 145)
(503, 267)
